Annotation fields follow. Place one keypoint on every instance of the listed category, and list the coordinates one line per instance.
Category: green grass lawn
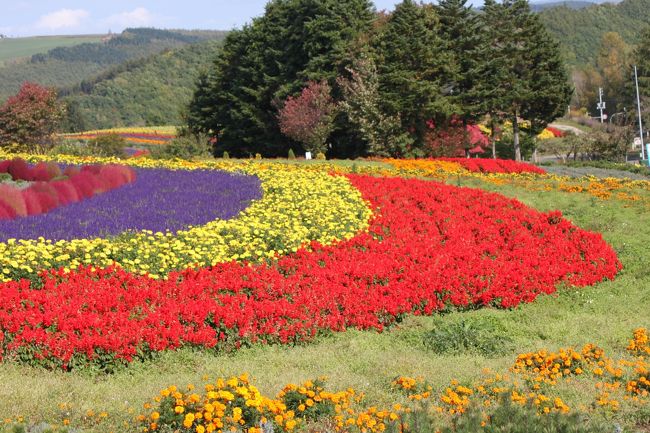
(17, 48)
(605, 314)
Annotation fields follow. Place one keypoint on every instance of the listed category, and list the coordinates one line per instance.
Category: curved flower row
(430, 247)
(51, 188)
(297, 207)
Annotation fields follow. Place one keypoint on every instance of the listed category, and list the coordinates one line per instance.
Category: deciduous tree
(29, 119)
(309, 117)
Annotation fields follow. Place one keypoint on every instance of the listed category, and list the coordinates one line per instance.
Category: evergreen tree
(533, 81)
(296, 41)
(461, 29)
(414, 71)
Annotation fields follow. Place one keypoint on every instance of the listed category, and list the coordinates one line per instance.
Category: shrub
(481, 336)
(320, 155)
(226, 155)
(13, 197)
(108, 145)
(183, 147)
(291, 155)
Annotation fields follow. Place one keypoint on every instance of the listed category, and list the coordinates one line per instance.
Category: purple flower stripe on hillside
(158, 200)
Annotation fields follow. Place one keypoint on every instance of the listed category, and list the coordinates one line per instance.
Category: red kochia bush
(19, 170)
(431, 247)
(13, 197)
(44, 194)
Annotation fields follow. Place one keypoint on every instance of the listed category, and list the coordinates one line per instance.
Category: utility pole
(601, 104)
(638, 109)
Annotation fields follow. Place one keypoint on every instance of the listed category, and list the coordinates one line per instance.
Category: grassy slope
(604, 314)
(18, 48)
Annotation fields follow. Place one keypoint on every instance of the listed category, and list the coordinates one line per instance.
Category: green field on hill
(17, 48)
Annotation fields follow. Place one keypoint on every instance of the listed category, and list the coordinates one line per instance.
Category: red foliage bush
(45, 195)
(432, 247)
(48, 198)
(19, 170)
(32, 202)
(6, 212)
(13, 197)
(66, 191)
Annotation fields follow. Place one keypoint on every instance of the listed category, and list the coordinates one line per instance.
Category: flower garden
(141, 274)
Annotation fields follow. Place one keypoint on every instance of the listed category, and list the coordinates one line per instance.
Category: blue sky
(60, 17)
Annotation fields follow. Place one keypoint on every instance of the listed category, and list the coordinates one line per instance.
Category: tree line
(375, 83)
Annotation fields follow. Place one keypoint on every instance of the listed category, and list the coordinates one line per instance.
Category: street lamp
(638, 107)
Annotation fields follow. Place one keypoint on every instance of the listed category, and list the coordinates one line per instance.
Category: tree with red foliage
(454, 139)
(29, 119)
(309, 117)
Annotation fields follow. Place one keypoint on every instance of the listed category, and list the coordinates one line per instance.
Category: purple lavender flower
(158, 200)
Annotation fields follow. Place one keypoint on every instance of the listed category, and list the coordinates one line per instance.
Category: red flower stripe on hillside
(485, 165)
(46, 193)
(556, 132)
(430, 247)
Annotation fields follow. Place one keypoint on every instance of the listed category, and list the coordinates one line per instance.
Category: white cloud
(64, 18)
(136, 18)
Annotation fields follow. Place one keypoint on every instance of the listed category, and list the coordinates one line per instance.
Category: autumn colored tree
(29, 119)
(613, 63)
(361, 104)
(309, 117)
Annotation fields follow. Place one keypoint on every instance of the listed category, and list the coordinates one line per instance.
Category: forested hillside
(580, 31)
(67, 66)
(150, 91)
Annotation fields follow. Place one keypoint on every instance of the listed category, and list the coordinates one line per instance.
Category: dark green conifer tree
(261, 65)
(414, 65)
(527, 66)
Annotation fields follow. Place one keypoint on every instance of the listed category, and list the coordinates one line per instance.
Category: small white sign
(637, 141)
(307, 155)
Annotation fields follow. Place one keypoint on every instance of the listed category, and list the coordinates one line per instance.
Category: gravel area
(593, 171)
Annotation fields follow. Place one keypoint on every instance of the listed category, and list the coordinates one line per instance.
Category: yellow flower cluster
(545, 135)
(236, 405)
(225, 405)
(298, 206)
(424, 167)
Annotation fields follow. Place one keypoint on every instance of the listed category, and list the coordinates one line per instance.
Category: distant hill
(67, 66)
(578, 4)
(150, 91)
(16, 49)
(580, 31)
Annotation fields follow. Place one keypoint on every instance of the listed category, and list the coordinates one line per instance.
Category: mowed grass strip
(18, 48)
(604, 314)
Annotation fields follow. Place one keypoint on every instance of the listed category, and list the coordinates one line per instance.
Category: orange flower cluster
(640, 343)
(547, 367)
(415, 389)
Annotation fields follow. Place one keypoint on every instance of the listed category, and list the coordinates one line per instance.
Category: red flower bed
(556, 132)
(46, 193)
(431, 247)
(485, 165)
